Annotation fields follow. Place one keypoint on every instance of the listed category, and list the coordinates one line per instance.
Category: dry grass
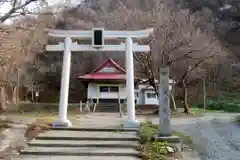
(40, 126)
(152, 110)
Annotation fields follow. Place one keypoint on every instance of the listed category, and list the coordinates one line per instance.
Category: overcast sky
(6, 6)
(35, 7)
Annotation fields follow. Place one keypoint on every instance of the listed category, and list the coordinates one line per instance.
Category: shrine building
(107, 84)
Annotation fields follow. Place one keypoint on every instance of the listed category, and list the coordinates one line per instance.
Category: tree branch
(190, 69)
(15, 8)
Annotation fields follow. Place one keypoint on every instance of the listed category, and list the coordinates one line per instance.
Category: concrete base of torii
(62, 123)
(131, 124)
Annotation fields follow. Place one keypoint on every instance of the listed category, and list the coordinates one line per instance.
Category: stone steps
(88, 138)
(107, 107)
(80, 151)
(41, 157)
(91, 136)
(85, 143)
(95, 129)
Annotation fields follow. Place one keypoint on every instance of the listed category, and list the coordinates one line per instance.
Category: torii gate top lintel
(108, 34)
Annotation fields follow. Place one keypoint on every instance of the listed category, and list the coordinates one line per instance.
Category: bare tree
(178, 44)
(19, 47)
(16, 8)
(177, 41)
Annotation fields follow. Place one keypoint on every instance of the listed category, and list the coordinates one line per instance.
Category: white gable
(108, 69)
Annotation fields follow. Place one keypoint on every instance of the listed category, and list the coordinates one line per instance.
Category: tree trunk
(14, 95)
(174, 107)
(3, 106)
(32, 94)
(185, 101)
(26, 96)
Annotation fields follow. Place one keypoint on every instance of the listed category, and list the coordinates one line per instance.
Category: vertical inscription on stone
(165, 112)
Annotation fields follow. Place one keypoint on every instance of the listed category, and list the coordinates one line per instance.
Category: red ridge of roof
(104, 76)
(107, 76)
(113, 63)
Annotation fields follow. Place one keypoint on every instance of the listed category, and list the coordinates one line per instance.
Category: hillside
(215, 18)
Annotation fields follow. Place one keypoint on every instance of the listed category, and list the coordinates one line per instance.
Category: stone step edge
(26, 152)
(134, 146)
(95, 129)
(86, 138)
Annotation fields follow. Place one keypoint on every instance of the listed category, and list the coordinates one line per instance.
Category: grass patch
(177, 114)
(221, 106)
(150, 149)
(40, 109)
(227, 102)
(153, 150)
(44, 114)
(185, 139)
(200, 111)
(42, 124)
(147, 131)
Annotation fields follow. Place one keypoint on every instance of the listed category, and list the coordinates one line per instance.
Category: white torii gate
(98, 35)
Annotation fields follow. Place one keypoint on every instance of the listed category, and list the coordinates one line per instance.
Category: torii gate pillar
(66, 67)
(131, 122)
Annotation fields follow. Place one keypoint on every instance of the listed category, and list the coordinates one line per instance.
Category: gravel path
(215, 136)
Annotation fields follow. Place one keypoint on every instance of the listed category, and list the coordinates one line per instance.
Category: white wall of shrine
(94, 91)
(144, 94)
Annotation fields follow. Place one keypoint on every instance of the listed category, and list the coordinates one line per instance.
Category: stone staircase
(83, 143)
(107, 107)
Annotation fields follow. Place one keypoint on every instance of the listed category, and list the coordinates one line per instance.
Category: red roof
(104, 76)
(98, 74)
(112, 63)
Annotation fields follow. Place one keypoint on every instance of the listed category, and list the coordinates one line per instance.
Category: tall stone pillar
(131, 122)
(66, 68)
(165, 132)
(164, 105)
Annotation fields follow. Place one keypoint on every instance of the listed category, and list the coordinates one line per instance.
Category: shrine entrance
(97, 37)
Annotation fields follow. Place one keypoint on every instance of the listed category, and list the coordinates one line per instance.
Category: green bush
(221, 105)
(226, 101)
(150, 149)
(158, 151)
(147, 131)
(154, 150)
(227, 107)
